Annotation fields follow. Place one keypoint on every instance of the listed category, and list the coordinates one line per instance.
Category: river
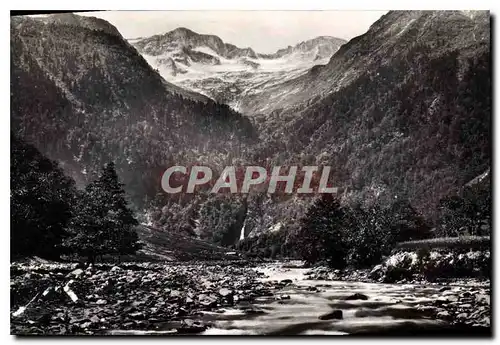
(389, 308)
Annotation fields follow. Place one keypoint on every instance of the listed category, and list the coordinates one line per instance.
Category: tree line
(351, 235)
(50, 217)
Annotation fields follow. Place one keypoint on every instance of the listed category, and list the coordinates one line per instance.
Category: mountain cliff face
(224, 72)
(84, 96)
(319, 48)
(182, 37)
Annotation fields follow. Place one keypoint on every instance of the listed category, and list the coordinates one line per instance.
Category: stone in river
(75, 273)
(443, 314)
(137, 315)
(175, 293)
(483, 298)
(224, 292)
(86, 325)
(333, 315)
(208, 301)
(356, 296)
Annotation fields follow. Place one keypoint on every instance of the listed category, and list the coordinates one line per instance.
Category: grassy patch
(472, 242)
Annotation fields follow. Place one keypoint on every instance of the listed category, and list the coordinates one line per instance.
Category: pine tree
(103, 223)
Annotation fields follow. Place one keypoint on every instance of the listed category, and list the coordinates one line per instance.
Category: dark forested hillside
(402, 111)
(416, 129)
(82, 95)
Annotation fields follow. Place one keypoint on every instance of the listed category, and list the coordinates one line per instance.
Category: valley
(399, 117)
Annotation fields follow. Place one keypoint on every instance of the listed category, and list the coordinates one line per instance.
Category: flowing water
(298, 308)
(389, 309)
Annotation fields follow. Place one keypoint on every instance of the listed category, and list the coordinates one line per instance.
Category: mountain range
(224, 72)
(400, 112)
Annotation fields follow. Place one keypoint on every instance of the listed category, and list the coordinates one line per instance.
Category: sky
(263, 31)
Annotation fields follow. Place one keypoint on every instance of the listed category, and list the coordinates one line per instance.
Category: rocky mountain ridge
(224, 72)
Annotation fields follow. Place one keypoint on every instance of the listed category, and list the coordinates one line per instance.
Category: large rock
(377, 272)
(225, 292)
(356, 296)
(75, 273)
(333, 315)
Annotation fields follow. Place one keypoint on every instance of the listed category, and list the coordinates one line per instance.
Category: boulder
(443, 315)
(356, 296)
(224, 292)
(137, 315)
(75, 273)
(377, 272)
(333, 315)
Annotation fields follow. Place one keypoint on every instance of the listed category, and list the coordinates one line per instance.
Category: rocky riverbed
(231, 298)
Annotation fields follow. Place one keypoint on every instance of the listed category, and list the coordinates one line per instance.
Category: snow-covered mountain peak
(222, 71)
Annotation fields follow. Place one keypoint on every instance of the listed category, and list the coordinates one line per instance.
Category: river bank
(222, 298)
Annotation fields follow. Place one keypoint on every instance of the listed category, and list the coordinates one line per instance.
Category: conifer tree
(103, 223)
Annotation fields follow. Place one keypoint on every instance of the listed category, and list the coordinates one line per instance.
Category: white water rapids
(388, 305)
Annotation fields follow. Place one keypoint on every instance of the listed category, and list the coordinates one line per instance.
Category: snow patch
(206, 50)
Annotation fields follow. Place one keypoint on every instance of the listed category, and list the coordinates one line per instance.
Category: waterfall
(242, 232)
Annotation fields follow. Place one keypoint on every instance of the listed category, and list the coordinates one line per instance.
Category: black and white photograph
(251, 172)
